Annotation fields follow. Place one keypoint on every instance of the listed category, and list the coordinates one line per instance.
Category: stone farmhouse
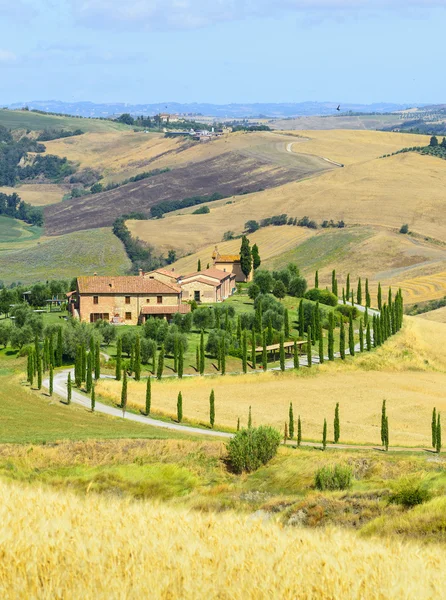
(125, 300)
(210, 285)
(230, 263)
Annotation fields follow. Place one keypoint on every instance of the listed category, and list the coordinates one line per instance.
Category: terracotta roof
(172, 274)
(166, 309)
(214, 283)
(228, 258)
(124, 285)
(213, 273)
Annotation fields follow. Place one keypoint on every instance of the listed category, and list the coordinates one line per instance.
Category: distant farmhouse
(130, 300)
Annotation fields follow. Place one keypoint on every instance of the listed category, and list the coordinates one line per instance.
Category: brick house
(125, 300)
(163, 275)
(210, 285)
(230, 263)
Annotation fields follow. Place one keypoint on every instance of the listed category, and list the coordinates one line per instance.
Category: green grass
(22, 119)
(71, 255)
(321, 250)
(13, 231)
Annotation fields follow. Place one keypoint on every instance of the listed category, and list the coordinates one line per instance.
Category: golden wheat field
(37, 194)
(439, 315)
(76, 548)
(409, 372)
(349, 146)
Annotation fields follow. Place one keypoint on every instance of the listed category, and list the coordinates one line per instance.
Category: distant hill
(235, 111)
(36, 121)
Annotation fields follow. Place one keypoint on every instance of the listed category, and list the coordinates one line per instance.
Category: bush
(338, 477)
(298, 286)
(404, 228)
(249, 449)
(203, 210)
(322, 296)
(410, 492)
(347, 310)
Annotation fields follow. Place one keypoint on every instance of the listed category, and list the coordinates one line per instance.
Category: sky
(222, 51)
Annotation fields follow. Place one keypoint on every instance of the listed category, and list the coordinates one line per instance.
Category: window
(127, 299)
(159, 299)
(148, 300)
(128, 316)
(197, 295)
(95, 299)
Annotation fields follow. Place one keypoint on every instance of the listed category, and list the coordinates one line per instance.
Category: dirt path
(289, 149)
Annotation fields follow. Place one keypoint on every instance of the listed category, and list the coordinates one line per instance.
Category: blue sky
(222, 51)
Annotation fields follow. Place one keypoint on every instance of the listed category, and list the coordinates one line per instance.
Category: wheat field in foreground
(60, 546)
(409, 371)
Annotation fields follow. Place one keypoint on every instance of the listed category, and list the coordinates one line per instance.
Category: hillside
(24, 119)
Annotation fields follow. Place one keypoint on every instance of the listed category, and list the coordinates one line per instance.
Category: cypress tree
(97, 362)
(223, 356)
(321, 346)
(291, 421)
(93, 397)
(285, 433)
(282, 353)
(180, 361)
(78, 367)
(264, 353)
(197, 359)
(333, 282)
(154, 359)
(347, 287)
(132, 360)
(212, 409)
(270, 335)
(253, 349)
(353, 299)
(317, 321)
(380, 299)
(342, 339)
(299, 432)
(202, 357)
(351, 337)
(239, 330)
(295, 355)
(244, 353)
(438, 436)
(368, 338)
(199, 265)
(286, 329)
(59, 348)
(45, 354)
(124, 390)
(137, 362)
(309, 353)
(383, 423)
(180, 407)
(335, 288)
(88, 377)
(238, 423)
(118, 370)
(301, 320)
(29, 367)
(51, 380)
(256, 260)
(245, 257)
(361, 336)
(434, 428)
(313, 327)
(258, 317)
(83, 363)
(386, 443)
(249, 419)
(343, 296)
(39, 374)
(337, 425)
(50, 357)
(330, 336)
(324, 435)
(367, 294)
(316, 279)
(159, 372)
(366, 317)
(69, 388)
(148, 396)
(359, 293)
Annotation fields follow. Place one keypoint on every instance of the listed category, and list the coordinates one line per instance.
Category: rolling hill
(24, 119)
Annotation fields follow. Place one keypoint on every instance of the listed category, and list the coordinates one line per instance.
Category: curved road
(289, 149)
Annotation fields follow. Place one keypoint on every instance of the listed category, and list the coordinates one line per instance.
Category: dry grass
(37, 194)
(409, 371)
(56, 545)
(349, 147)
(420, 289)
(439, 315)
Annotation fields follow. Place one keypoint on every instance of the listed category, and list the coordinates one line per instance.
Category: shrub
(347, 310)
(322, 296)
(410, 492)
(404, 228)
(338, 477)
(251, 448)
(298, 286)
(203, 210)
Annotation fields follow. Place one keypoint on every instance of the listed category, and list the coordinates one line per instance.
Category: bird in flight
(339, 107)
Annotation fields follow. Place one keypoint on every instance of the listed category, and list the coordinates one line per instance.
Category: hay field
(350, 147)
(420, 289)
(406, 188)
(58, 545)
(38, 194)
(438, 316)
(409, 371)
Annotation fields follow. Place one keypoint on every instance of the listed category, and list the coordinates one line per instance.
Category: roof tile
(124, 285)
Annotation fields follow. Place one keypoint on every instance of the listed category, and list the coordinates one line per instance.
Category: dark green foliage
(78, 367)
(244, 353)
(367, 294)
(253, 349)
(347, 287)
(199, 265)
(410, 492)
(238, 423)
(249, 418)
(59, 348)
(438, 440)
(256, 260)
(316, 279)
(264, 280)
(282, 353)
(331, 478)
(434, 428)
(118, 369)
(368, 338)
(342, 340)
(299, 432)
(359, 293)
(295, 355)
(180, 407)
(124, 391)
(384, 427)
(197, 359)
(286, 324)
(160, 369)
(321, 346)
(361, 336)
(137, 359)
(97, 362)
(347, 310)
(279, 290)
(39, 372)
(264, 353)
(84, 362)
(309, 353)
(324, 435)
(223, 356)
(148, 395)
(88, 377)
(337, 424)
(351, 337)
(69, 388)
(334, 283)
(301, 319)
(330, 336)
(202, 355)
(51, 380)
(245, 257)
(212, 409)
(291, 421)
(93, 397)
(251, 448)
(379, 298)
(180, 362)
(322, 296)
(166, 206)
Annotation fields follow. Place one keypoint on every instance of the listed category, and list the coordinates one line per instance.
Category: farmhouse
(230, 263)
(163, 275)
(125, 300)
(211, 285)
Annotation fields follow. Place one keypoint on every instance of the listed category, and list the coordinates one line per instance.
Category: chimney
(95, 274)
(140, 272)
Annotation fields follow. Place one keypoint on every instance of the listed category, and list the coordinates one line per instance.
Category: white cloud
(7, 57)
(187, 14)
